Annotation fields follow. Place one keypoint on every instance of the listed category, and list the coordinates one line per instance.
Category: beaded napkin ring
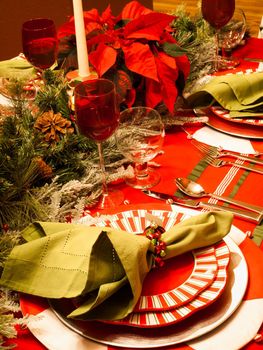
(154, 232)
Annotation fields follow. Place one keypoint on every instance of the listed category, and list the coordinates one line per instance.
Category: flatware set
(195, 204)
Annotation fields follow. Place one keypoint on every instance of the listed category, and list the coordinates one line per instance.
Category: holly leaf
(148, 27)
(103, 58)
(140, 59)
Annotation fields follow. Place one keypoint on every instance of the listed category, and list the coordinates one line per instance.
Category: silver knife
(191, 203)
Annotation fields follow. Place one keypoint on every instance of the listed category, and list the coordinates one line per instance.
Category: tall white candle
(82, 51)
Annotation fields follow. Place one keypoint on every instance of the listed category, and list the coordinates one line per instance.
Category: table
(180, 159)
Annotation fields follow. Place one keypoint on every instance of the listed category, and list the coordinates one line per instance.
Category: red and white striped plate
(224, 113)
(205, 298)
(181, 279)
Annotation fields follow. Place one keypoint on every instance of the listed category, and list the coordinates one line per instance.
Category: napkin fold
(101, 268)
(16, 68)
(238, 93)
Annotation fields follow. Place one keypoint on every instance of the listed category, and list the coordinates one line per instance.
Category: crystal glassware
(140, 137)
(230, 36)
(97, 117)
(217, 13)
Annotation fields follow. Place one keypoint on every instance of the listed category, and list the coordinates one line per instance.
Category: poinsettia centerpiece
(136, 50)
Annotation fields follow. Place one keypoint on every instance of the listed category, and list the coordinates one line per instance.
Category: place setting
(205, 276)
(230, 98)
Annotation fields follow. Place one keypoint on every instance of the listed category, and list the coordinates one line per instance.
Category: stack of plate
(168, 297)
(190, 296)
(248, 127)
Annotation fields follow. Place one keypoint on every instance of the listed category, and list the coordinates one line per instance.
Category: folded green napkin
(16, 68)
(103, 268)
(234, 92)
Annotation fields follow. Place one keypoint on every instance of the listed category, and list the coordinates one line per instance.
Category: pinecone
(53, 126)
(45, 170)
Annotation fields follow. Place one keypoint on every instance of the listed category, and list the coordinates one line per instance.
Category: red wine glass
(217, 13)
(40, 44)
(97, 117)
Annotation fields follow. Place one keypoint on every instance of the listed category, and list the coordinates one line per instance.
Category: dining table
(180, 158)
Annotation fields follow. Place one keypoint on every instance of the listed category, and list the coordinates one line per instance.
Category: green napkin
(103, 267)
(234, 92)
(16, 68)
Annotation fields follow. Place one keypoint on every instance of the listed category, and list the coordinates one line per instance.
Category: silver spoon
(194, 189)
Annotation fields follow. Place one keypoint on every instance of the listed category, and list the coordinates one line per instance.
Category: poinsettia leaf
(103, 58)
(66, 29)
(108, 18)
(149, 27)
(168, 74)
(153, 93)
(91, 15)
(134, 10)
(140, 59)
(99, 38)
(183, 65)
(173, 49)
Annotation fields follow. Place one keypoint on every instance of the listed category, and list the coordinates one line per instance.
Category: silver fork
(216, 152)
(219, 163)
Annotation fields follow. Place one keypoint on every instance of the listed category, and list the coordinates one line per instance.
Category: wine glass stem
(141, 170)
(217, 50)
(103, 171)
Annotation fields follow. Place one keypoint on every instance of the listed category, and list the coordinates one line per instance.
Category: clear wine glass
(40, 44)
(230, 36)
(97, 117)
(217, 13)
(140, 137)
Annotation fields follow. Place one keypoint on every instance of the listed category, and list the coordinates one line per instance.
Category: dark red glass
(39, 40)
(97, 117)
(96, 109)
(218, 12)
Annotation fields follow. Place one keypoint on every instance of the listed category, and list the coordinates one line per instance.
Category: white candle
(82, 52)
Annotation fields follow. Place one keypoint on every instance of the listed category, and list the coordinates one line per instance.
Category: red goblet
(97, 117)
(40, 44)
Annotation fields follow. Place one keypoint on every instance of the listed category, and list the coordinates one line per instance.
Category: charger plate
(198, 324)
(229, 127)
(224, 113)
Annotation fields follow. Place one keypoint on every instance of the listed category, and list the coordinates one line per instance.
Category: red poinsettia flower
(136, 50)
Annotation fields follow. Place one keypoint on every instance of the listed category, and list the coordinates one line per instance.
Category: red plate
(202, 300)
(135, 221)
(194, 271)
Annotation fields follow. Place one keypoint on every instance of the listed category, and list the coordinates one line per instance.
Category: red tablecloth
(178, 160)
